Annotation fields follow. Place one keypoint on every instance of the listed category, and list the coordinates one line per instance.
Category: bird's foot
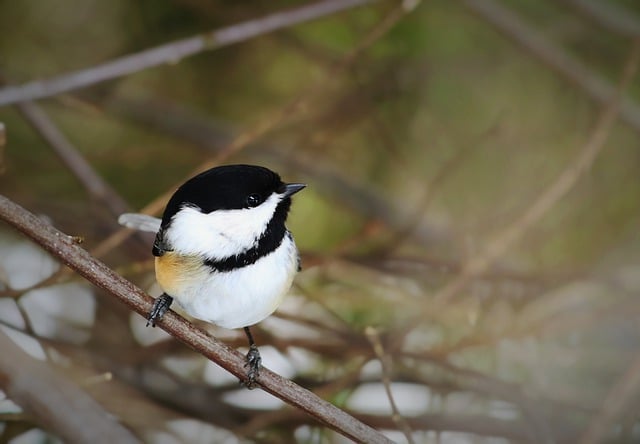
(160, 307)
(254, 362)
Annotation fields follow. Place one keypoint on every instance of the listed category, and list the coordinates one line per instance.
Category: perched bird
(222, 249)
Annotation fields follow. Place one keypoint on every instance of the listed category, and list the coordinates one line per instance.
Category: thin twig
(551, 195)
(65, 249)
(616, 403)
(97, 188)
(55, 402)
(3, 143)
(408, 227)
(295, 107)
(609, 15)
(385, 361)
(185, 124)
(476, 424)
(513, 430)
(512, 234)
(578, 74)
(174, 51)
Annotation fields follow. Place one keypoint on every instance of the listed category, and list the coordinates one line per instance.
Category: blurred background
(469, 233)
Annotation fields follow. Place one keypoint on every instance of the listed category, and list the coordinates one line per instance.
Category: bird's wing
(141, 222)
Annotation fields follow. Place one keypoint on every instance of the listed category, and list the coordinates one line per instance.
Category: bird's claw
(253, 362)
(160, 307)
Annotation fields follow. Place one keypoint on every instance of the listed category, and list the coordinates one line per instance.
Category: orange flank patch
(175, 272)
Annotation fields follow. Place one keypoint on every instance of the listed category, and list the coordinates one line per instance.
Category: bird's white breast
(243, 296)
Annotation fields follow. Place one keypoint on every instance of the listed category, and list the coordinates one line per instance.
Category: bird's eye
(254, 200)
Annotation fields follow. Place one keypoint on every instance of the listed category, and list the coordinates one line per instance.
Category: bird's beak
(290, 189)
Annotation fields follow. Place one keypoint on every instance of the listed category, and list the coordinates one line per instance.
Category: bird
(222, 249)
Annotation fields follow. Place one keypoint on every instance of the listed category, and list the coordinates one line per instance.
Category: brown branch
(385, 362)
(296, 107)
(481, 425)
(547, 199)
(97, 188)
(610, 16)
(618, 402)
(65, 249)
(55, 402)
(496, 247)
(513, 27)
(174, 51)
(203, 131)
(3, 143)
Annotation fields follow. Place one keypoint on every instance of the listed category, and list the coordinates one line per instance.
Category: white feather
(244, 296)
(240, 297)
(140, 222)
(222, 233)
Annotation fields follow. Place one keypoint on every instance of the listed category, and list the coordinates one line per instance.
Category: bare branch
(65, 249)
(97, 188)
(174, 51)
(616, 403)
(511, 234)
(3, 142)
(612, 17)
(55, 402)
(552, 194)
(385, 361)
(295, 107)
(512, 429)
(596, 87)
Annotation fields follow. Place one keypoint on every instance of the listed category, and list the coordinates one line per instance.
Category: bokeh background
(429, 134)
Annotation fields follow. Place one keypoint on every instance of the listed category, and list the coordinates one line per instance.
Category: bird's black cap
(227, 187)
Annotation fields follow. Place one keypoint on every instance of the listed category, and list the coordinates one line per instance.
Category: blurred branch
(97, 188)
(511, 429)
(414, 265)
(295, 107)
(54, 402)
(65, 249)
(617, 402)
(203, 131)
(538, 410)
(552, 194)
(385, 362)
(3, 143)
(612, 17)
(412, 223)
(514, 28)
(481, 425)
(174, 51)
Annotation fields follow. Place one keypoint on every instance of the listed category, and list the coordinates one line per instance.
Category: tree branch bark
(551, 195)
(66, 250)
(534, 42)
(97, 188)
(611, 16)
(174, 51)
(56, 403)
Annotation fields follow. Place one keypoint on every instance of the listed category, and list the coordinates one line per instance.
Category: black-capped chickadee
(222, 249)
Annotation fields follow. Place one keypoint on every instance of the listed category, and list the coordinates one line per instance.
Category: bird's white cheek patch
(220, 234)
